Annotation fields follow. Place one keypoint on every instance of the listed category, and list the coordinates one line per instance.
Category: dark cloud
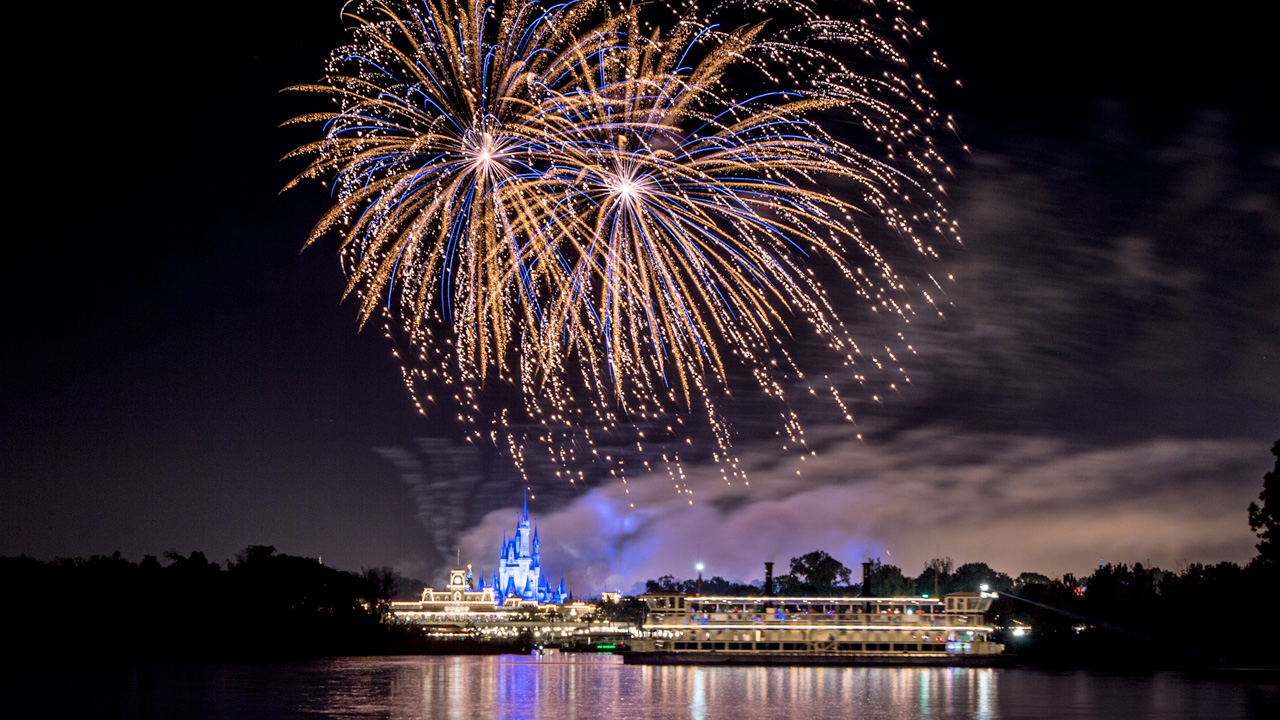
(1127, 273)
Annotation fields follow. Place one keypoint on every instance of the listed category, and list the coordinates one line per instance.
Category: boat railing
(799, 618)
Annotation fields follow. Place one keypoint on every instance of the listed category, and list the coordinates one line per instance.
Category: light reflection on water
(583, 687)
(586, 687)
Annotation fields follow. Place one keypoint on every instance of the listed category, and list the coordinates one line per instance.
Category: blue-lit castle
(519, 573)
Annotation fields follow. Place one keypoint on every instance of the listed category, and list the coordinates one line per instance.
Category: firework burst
(433, 157)
(577, 204)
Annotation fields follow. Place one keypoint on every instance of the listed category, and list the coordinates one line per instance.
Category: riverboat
(695, 629)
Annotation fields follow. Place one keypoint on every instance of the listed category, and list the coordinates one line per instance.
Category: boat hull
(715, 657)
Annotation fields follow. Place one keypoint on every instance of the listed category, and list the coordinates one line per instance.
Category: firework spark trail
(573, 202)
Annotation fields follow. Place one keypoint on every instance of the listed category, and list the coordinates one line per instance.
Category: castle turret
(520, 565)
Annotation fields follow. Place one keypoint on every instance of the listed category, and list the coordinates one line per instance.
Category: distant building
(519, 575)
(458, 601)
(461, 611)
(519, 588)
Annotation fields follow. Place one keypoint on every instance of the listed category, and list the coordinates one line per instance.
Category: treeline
(261, 604)
(1120, 615)
(819, 574)
(1204, 615)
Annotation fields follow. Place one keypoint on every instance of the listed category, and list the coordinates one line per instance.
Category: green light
(606, 647)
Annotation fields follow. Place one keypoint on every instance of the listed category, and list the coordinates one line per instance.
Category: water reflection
(590, 687)
(986, 678)
(925, 681)
(574, 687)
(698, 708)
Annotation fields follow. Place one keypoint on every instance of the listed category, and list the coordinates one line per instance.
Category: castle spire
(520, 565)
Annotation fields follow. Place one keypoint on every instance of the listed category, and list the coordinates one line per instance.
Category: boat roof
(796, 598)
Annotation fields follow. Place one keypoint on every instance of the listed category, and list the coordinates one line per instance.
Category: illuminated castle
(519, 573)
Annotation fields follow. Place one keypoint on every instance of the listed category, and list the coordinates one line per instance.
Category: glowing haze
(969, 496)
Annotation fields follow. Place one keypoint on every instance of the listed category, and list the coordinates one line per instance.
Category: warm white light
(628, 189)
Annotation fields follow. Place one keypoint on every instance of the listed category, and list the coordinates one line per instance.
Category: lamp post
(699, 567)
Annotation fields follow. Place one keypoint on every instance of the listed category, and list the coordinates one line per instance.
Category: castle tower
(520, 567)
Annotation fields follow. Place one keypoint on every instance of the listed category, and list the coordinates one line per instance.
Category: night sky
(179, 374)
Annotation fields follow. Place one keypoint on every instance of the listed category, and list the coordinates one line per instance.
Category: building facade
(458, 604)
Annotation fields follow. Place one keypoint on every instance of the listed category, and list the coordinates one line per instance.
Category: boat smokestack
(768, 579)
(866, 580)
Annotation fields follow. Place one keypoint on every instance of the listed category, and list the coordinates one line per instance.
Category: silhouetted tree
(819, 571)
(1026, 579)
(972, 576)
(1264, 519)
(252, 554)
(381, 584)
(664, 583)
(887, 581)
(1123, 595)
(264, 605)
(936, 578)
(720, 586)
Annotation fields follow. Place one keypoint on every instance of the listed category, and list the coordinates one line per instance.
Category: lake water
(587, 687)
